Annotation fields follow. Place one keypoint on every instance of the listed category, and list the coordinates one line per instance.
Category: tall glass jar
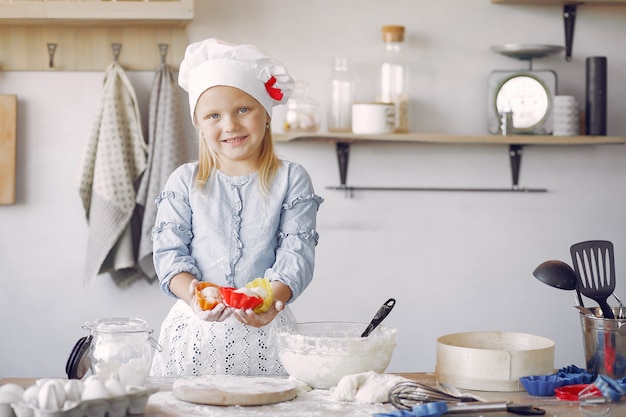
(394, 75)
(341, 97)
(122, 347)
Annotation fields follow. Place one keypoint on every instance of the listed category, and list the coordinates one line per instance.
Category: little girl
(237, 214)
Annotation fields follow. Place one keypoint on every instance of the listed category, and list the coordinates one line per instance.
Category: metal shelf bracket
(515, 157)
(569, 21)
(343, 156)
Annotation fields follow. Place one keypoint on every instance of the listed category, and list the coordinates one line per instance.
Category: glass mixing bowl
(321, 353)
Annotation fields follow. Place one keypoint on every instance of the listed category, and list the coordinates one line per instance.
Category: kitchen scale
(527, 94)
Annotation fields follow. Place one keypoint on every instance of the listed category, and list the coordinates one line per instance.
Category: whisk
(411, 396)
(407, 394)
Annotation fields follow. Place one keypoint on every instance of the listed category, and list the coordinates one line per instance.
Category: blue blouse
(230, 233)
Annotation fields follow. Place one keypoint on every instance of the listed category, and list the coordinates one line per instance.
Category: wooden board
(234, 390)
(8, 122)
(89, 47)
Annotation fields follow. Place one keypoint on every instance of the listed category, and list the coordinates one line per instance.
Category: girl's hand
(253, 319)
(219, 313)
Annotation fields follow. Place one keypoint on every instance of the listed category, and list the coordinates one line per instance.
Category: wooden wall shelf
(563, 2)
(83, 32)
(112, 12)
(515, 144)
(447, 138)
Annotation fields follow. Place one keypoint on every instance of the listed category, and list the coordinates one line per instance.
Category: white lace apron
(192, 347)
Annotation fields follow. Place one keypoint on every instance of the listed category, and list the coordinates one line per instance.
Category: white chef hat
(214, 62)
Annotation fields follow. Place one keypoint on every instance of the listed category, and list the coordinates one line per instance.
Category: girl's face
(233, 125)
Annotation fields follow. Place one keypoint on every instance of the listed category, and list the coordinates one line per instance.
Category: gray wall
(454, 261)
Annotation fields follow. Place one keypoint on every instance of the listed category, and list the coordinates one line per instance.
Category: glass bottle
(341, 97)
(393, 83)
(302, 111)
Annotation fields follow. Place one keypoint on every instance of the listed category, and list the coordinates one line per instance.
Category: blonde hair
(267, 166)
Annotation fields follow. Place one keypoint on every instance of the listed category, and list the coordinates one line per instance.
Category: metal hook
(163, 50)
(116, 47)
(52, 47)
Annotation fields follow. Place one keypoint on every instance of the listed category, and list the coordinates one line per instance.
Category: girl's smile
(234, 140)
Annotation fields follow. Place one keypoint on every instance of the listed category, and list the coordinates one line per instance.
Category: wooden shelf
(515, 145)
(563, 2)
(178, 12)
(447, 138)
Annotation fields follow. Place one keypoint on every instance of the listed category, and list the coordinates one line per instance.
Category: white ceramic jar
(565, 120)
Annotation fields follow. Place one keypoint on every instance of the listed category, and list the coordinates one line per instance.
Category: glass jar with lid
(119, 346)
(394, 76)
(302, 111)
(122, 346)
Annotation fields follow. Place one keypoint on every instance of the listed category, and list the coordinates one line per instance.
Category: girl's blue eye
(213, 116)
(243, 110)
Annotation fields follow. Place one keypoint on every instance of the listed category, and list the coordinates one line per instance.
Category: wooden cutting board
(234, 390)
(8, 122)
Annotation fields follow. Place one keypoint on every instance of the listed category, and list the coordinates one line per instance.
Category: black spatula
(594, 264)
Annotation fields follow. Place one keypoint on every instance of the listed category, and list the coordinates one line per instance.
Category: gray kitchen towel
(167, 149)
(114, 158)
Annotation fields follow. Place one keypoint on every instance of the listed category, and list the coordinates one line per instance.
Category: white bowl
(321, 353)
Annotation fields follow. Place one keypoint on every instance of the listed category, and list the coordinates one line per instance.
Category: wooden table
(317, 404)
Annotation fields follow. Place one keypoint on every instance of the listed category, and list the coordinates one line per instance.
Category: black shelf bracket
(569, 21)
(515, 157)
(343, 156)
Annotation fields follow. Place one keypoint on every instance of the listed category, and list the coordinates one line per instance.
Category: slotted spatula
(594, 264)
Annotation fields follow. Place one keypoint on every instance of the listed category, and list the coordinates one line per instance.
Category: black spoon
(382, 312)
(560, 275)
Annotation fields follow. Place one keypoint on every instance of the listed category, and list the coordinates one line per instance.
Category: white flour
(235, 384)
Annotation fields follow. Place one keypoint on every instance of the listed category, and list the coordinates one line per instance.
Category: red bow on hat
(274, 92)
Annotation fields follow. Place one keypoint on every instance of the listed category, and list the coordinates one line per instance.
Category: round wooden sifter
(234, 390)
